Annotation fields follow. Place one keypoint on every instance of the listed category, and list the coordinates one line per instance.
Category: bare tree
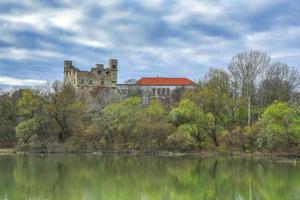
(245, 68)
(279, 83)
(129, 88)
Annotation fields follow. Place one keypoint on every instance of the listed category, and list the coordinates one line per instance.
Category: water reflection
(145, 177)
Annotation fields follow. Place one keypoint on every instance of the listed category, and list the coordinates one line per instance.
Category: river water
(72, 177)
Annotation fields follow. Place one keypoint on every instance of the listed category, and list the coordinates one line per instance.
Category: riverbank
(7, 151)
(274, 157)
(161, 153)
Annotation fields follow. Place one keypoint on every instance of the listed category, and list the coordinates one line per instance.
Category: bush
(180, 142)
(251, 135)
(7, 133)
(26, 133)
(152, 136)
(280, 127)
(235, 139)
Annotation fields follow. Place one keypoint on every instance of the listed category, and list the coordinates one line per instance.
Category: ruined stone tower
(98, 76)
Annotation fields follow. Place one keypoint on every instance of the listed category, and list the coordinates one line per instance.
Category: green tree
(279, 123)
(8, 119)
(120, 120)
(31, 109)
(65, 109)
(212, 128)
(221, 106)
(26, 132)
(30, 105)
(190, 118)
(155, 111)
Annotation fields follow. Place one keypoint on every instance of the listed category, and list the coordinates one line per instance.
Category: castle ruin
(98, 77)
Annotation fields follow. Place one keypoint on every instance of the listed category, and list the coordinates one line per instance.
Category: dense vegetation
(252, 107)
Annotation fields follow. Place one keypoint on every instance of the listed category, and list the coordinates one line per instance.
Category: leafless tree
(245, 69)
(129, 88)
(279, 83)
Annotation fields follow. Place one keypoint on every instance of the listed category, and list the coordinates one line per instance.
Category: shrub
(26, 133)
(280, 125)
(180, 142)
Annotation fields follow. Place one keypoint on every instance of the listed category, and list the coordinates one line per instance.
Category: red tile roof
(164, 81)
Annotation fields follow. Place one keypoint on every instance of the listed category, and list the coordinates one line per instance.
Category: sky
(167, 38)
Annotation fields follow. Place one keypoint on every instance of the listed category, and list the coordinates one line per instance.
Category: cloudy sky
(176, 38)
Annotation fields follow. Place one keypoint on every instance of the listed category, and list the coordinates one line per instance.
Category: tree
(8, 119)
(279, 83)
(155, 111)
(245, 68)
(131, 89)
(222, 108)
(217, 97)
(180, 141)
(120, 120)
(188, 116)
(33, 114)
(30, 105)
(65, 109)
(26, 132)
(279, 123)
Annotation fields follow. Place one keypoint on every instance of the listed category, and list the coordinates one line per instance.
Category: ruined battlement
(98, 76)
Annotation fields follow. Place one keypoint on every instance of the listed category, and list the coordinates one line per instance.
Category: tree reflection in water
(145, 177)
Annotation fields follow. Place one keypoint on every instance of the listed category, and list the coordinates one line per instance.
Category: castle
(87, 80)
(101, 79)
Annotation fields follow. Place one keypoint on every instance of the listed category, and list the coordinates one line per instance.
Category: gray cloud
(154, 37)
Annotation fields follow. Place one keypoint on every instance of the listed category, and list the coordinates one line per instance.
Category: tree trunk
(249, 108)
(61, 134)
(215, 139)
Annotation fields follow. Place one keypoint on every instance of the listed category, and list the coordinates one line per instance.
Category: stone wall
(98, 76)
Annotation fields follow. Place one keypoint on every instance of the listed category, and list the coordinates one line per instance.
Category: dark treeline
(254, 106)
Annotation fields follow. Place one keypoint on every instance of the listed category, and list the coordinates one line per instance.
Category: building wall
(159, 92)
(98, 76)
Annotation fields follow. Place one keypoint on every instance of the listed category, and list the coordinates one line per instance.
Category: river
(86, 176)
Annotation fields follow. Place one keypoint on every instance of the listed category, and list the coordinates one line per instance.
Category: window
(82, 81)
(113, 81)
(90, 82)
(163, 91)
(102, 82)
(74, 81)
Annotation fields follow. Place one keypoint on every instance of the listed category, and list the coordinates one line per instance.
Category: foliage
(235, 110)
(180, 142)
(152, 136)
(30, 105)
(120, 120)
(66, 111)
(8, 120)
(186, 112)
(190, 118)
(26, 132)
(155, 111)
(279, 123)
